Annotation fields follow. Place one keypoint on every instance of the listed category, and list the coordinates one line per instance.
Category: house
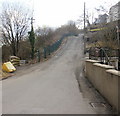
(102, 18)
(114, 13)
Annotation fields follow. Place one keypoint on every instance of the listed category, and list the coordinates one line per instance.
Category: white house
(114, 13)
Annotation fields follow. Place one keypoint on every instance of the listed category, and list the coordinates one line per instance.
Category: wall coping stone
(114, 72)
(104, 66)
(93, 61)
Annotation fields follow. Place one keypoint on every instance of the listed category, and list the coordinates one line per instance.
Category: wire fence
(49, 49)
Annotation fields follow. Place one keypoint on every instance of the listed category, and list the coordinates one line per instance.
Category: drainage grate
(97, 104)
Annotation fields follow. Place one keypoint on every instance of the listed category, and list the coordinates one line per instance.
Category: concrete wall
(105, 80)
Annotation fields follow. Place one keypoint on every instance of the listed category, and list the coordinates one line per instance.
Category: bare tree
(44, 36)
(101, 9)
(14, 25)
(80, 21)
(107, 36)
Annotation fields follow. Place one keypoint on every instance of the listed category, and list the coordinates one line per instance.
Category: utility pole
(32, 35)
(92, 17)
(84, 17)
(84, 32)
(32, 38)
(118, 36)
(31, 21)
(118, 32)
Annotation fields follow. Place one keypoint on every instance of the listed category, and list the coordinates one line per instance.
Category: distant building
(96, 21)
(101, 19)
(114, 13)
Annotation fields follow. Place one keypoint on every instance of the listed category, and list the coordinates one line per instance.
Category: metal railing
(105, 56)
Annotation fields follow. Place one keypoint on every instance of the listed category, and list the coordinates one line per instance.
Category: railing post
(90, 53)
(101, 56)
(49, 50)
(119, 59)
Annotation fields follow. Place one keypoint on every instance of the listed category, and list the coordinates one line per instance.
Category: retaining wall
(105, 79)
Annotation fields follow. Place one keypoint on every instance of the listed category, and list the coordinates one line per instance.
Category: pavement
(52, 87)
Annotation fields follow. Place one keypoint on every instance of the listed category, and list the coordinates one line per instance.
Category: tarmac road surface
(52, 87)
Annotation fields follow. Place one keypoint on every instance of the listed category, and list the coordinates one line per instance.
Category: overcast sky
(54, 13)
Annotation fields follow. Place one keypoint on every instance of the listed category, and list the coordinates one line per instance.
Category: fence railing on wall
(105, 56)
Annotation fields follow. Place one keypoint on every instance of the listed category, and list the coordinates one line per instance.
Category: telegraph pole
(118, 36)
(118, 32)
(31, 21)
(32, 35)
(32, 38)
(92, 17)
(84, 17)
(84, 32)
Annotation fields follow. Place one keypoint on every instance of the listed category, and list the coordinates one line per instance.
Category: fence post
(119, 59)
(38, 55)
(49, 50)
(45, 53)
(90, 53)
(101, 55)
